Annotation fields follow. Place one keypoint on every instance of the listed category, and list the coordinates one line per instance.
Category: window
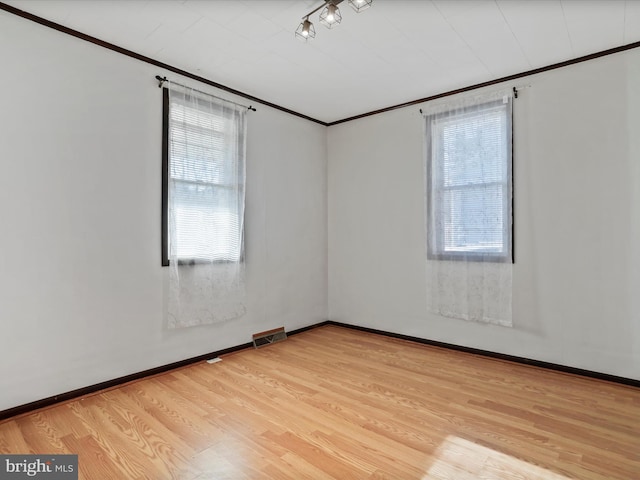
(469, 211)
(203, 179)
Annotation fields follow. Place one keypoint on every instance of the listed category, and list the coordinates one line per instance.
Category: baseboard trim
(84, 391)
(501, 356)
(91, 389)
(309, 327)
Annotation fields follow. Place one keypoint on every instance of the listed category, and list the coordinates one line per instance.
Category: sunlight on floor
(459, 459)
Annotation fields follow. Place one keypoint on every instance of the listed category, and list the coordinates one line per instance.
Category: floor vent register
(263, 339)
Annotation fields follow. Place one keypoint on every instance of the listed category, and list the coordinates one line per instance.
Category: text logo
(42, 467)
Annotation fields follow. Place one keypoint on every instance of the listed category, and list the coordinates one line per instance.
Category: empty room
(332, 239)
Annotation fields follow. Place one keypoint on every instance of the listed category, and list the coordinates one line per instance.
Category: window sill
(188, 262)
(471, 257)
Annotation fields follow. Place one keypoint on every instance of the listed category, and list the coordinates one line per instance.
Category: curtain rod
(515, 91)
(161, 81)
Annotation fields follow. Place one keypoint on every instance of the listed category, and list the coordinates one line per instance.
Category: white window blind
(469, 182)
(206, 180)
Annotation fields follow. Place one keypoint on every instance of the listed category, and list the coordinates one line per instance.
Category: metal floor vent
(270, 336)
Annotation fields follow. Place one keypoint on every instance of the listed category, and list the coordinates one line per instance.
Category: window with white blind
(469, 183)
(203, 187)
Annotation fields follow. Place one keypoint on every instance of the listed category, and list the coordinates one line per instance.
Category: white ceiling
(394, 52)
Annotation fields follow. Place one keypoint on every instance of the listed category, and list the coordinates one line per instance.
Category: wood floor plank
(12, 439)
(334, 403)
(95, 460)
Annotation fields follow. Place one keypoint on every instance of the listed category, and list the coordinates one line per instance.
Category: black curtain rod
(514, 90)
(161, 81)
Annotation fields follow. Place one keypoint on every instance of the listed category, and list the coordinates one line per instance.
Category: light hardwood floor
(334, 403)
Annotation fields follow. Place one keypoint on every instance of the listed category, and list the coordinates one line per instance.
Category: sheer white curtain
(206, 194)
(468, 150)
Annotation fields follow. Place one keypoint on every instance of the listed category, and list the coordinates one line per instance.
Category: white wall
(576, 284)
(81, 286)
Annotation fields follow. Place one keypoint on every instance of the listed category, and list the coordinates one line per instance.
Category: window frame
(435, 241)
(166, 179)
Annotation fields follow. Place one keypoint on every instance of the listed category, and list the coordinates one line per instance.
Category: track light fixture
(305, 30)
(330, 16)
(360, 5)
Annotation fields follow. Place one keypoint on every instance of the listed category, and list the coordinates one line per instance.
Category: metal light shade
(360, 5)
(330, 15)
(305, 30)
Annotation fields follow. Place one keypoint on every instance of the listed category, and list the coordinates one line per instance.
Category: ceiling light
(305, 30)
(360, 5)
(330, 15)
